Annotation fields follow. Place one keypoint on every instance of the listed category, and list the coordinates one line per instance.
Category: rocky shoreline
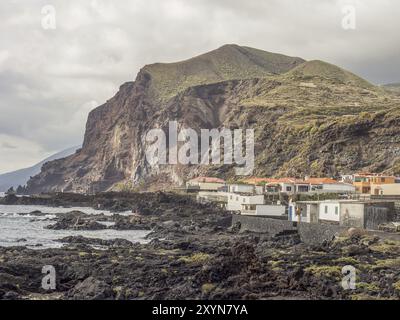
(193, 253)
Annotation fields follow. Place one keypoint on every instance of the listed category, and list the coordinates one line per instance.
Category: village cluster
(363, 200)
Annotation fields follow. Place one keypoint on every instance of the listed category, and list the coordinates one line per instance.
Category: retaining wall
(262, 224)
(310, 233)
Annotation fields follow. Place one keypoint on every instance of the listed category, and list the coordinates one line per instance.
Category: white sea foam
(14, 227)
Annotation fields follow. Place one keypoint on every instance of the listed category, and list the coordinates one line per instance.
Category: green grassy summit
(225, 63)
(327, 71)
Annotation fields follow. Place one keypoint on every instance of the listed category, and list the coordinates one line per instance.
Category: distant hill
(21, 177)
(392, 87)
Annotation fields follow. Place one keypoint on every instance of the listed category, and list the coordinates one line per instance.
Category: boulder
(91, 289)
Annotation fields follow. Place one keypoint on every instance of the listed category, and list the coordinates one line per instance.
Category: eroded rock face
(310, 118)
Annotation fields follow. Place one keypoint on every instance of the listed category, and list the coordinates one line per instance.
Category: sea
(29, 230)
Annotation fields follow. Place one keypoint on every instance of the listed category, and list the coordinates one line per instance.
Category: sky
(60, 59)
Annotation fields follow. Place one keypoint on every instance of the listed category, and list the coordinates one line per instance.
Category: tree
(10, 191)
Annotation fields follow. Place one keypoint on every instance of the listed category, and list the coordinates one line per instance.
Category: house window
(237, 198)
(336, 210)
(383, 179)
(288, 188)
(244, 200)
(326, 209)
(231, 197)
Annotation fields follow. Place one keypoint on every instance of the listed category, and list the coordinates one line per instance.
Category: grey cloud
(6, 145)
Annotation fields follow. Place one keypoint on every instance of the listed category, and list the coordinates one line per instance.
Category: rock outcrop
(310, 118)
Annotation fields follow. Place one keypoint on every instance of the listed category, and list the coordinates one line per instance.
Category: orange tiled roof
(321, 181)
(256, 180)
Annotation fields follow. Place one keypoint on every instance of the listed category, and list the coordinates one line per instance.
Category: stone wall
(315, 234)
(262, 224)
(309, 233)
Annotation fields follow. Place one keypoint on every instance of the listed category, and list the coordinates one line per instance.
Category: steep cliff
(309, 118)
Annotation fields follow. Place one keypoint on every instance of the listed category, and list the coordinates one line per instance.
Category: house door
(313, 213)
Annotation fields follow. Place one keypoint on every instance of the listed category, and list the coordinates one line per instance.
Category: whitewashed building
(349, 213)
(241, 188)
(327, 185)
(235, 201)
(267, 210)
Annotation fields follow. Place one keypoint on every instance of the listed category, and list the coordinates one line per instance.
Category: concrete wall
(314, 234)
(374, 216)
(385, 189)
(263, 225)
(241, 188)
(352, 215)
(207, 186)
(210, 186)
(270, 210)
(339, 187)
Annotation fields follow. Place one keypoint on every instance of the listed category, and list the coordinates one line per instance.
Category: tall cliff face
(309, 118)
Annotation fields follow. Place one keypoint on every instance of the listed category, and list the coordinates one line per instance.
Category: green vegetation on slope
(321, 69)
(392, 87)
(226, 63)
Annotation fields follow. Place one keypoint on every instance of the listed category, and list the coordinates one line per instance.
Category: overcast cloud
(51, 79)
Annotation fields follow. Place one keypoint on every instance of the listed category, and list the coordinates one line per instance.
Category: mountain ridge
(20, 177)
(310, 118)
(228, 62)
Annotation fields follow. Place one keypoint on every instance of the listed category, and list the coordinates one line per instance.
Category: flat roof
(343, 201)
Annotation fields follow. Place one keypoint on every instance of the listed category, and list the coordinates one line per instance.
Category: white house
(329, 211)
(338, 187)
(349, 213)
(266, 210)
(327, 185)
(316, 211)
(287, 185)
(241, 188)
(259, 189)
(308, 211)
(235, 201)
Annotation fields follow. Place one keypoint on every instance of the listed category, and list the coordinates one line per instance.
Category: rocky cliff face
(309, 118)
